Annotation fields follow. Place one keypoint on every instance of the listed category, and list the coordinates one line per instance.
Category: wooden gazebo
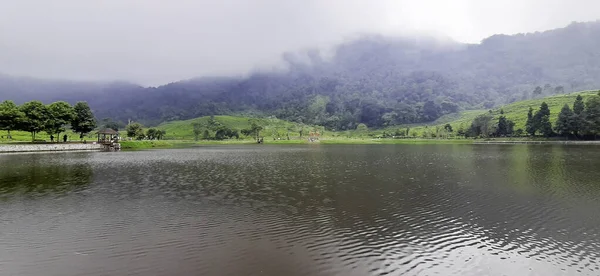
(108, 136)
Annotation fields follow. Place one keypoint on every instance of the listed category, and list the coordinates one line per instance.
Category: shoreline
(165, 144)
(59, 147)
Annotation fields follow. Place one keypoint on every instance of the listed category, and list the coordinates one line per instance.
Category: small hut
(107, 136)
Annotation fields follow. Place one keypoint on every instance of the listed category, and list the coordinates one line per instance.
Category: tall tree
(542, 120)
(35, 118)
(83, 119)
(537, 91)
(10, 116)
(578, 116)
(592, 115)
(564, 124)
(502, 129)
(530, 126)
(59, 114)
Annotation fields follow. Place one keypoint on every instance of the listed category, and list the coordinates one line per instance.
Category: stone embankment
(47, 147)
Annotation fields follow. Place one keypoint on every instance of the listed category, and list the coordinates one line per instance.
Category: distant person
(51, 138)
(65, 138)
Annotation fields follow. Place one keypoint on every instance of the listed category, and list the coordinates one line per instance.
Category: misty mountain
(374, 80)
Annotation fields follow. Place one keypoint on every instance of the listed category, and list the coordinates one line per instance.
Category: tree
(448, 128)
(254, 130)
(537, 91)
(564, 124)
(481, 126)
(152, 133)
(542, 120)
(83, 119)
(35, 118)
(530, 125)
(592, 115)
(135, 130)
(109, 123)
(502, 129)
(461, 130)
(578, 117)
(511, 127)
(161, 134)
(197, 129)
(362, 128)
(430, 111)
(519, 132)
(59, 114)
(10, 116)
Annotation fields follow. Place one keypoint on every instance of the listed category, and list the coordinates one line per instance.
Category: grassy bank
(516, 112)
(146, 144)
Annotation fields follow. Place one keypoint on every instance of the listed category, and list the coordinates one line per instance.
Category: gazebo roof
(108, 131)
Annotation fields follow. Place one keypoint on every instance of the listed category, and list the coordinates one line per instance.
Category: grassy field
(517, 112)
(183, 130)
(23, 136)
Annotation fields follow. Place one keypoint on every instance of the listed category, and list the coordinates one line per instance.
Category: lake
(303, 210)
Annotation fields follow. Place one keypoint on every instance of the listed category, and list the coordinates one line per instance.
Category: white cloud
(156, 41)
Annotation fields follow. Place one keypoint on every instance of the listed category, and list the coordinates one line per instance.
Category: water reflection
(401, 210)
(36, 175)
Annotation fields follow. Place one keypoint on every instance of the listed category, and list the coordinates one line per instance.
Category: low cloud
(153, 41)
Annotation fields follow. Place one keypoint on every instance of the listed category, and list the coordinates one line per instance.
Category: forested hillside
(375, 80)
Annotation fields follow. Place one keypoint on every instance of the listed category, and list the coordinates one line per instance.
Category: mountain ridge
(374, 80)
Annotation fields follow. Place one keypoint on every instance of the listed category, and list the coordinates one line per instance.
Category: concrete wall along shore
(48, 147)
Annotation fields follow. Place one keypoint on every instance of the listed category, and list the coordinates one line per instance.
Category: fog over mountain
(153, 42)
(333, 63)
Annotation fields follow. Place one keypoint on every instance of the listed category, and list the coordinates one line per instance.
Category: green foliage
(197, 129)
(530, 125)
(10, 116)
(505, 127)
(541, 120)
(36, 116)
(59, 114)
(362, 128)
(254, 129)
(83, 119)
(153, 133)
(592, 115)
(565, 123)
(135, 130)
(448, 128)
(481, 126)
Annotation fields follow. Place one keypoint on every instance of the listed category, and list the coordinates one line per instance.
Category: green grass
(146, 144)
(23, 136)
(183, 130)
(516, 112)
(341, 141)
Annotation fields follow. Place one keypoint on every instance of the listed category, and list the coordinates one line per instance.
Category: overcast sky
(153, 42)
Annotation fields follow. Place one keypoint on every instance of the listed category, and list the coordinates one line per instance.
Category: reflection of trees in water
(37, 175)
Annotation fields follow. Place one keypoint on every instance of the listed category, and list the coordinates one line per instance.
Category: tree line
(35, 117)
(582, 121)
(136, 131)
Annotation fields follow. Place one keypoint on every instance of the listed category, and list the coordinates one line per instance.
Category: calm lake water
(303, 210)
